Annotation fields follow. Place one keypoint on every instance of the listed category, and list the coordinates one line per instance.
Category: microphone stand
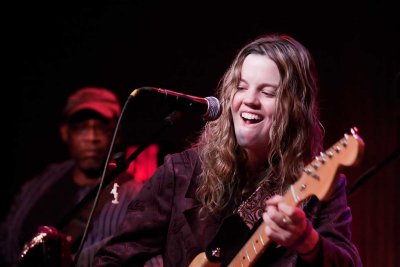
(121, 166)
(363, 178)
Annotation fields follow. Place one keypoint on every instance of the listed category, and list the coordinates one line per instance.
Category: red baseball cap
(100, 100)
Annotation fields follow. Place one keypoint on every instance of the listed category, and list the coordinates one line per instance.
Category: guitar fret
(295, 197)
(254, 247)
(251, 250)
(261, 239)
(243, 258)
(344, 141)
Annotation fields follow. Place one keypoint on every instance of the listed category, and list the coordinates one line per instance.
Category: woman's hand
(289, 227)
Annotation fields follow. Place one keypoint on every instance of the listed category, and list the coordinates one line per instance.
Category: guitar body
(49, 248)
(201, 260)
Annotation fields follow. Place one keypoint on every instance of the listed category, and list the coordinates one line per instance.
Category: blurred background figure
(60, 197)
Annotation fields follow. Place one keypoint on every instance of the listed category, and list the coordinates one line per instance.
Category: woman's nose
(251, 98)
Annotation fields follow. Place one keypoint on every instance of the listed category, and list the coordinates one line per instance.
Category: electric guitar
(317, 179)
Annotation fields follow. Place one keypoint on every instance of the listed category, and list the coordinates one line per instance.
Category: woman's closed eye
(270, 92)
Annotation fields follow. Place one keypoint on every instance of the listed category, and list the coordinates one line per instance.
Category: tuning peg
(354, 131)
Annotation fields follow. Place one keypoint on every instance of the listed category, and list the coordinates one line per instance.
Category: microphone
(209, 106)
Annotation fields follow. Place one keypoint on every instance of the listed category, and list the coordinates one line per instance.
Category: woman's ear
(64, 132)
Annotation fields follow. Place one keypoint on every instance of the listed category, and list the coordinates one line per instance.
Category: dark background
(186, 46)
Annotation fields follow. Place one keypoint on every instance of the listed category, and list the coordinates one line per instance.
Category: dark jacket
(163, 218)
(45, 200)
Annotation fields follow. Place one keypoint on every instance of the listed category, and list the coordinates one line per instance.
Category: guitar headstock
(319, 175)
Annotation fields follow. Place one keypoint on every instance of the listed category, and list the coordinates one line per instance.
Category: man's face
(88, 143)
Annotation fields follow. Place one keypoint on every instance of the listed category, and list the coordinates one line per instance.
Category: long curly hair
(295, 136)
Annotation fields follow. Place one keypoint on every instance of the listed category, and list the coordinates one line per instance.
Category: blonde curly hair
(295, 135)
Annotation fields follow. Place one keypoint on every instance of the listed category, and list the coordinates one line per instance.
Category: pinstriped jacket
(12, 230)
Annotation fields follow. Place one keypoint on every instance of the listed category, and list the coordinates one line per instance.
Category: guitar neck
(258, 242)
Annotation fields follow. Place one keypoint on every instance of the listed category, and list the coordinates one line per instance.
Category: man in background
(54, 197)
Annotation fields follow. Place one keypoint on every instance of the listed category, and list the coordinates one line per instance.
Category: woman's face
(253, 104)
